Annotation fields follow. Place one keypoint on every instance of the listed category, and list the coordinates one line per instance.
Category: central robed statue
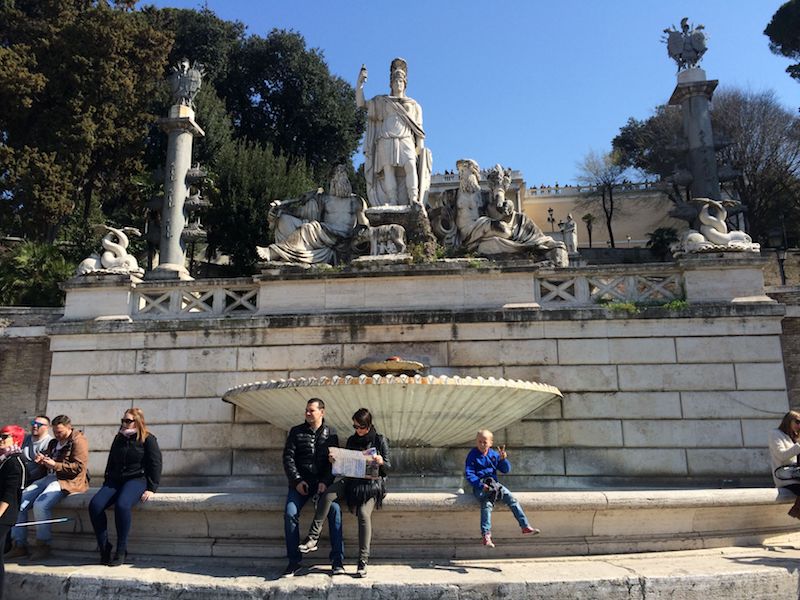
(397, 165)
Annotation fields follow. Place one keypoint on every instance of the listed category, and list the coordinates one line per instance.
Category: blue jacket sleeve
(504, 466)
(469, 471)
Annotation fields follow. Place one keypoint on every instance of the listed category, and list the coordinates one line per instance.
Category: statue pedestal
(169, 272)
(99, 297)
(724, 277)
(412, 218)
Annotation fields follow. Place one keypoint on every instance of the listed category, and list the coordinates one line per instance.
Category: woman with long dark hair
(12, 480)
(362, 495)
(783, 452)
(133, 472)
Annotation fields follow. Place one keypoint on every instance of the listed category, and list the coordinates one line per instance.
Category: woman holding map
(363, 494)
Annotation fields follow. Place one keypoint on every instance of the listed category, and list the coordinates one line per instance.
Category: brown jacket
(72, 462)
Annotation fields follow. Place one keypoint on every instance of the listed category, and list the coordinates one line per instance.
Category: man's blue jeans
(291, 521)
(487, 506)
(42, 495)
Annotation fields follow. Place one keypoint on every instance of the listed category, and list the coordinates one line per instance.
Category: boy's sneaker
(487, 540)
(308, 546)
(531, 530)
(337, 569)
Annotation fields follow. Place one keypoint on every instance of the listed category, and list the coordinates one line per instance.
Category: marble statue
(115, 259)
(488, 224)
(316, 228)
(713, 235)
(185, 82)
(687, 46)
(383, 240)
(397, 165)
(570, 231)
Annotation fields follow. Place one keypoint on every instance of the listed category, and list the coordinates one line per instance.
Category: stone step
(442, 525)
(731, 573)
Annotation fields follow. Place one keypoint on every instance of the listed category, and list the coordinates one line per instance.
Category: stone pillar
(181, 129)
(693, 94)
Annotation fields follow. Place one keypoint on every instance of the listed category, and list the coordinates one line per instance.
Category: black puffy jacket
(305, 455)
(131, 459)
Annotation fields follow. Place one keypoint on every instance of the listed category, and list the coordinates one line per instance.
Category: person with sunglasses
(66, 459)
(36, 443)
(783, 452)
(12, 480)
(362, 495)
(133, 472)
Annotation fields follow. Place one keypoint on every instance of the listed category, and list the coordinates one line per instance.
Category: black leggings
(4, 529)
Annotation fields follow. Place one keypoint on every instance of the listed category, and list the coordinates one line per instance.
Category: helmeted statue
(397, 165)
(687, 46)
(185, 82)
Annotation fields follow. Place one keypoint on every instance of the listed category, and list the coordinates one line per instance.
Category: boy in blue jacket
(481, 469)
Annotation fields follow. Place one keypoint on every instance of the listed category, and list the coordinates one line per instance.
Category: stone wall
(24, 362)
(790, 339)
(656, 398)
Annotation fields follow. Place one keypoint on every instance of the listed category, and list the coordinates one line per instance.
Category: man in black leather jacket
(308, 470)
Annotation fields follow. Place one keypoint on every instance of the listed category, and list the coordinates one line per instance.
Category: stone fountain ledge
(414, 317)
(248, 523)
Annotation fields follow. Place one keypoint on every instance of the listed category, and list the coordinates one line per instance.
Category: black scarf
(359, 491)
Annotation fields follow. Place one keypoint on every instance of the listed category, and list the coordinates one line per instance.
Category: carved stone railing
(574, 190)
(454, 284)
(195, 299)
(602, 288)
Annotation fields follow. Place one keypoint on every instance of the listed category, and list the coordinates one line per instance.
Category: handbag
(788, 472)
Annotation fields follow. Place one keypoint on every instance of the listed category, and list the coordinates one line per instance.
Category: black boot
(119, 558)
(105, 554)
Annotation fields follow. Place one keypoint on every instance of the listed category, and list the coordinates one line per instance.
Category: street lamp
(551, 219)
(777, 239)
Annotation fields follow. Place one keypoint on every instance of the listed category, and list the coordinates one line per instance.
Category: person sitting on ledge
(66, 460)
(783, 452)
(482, 466)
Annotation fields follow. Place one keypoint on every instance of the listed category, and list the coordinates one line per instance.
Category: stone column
(693, 94)
(181, 129)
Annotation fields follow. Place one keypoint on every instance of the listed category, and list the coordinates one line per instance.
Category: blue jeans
(123, 496)
(487, 506)
(42, 495)
(291, 524)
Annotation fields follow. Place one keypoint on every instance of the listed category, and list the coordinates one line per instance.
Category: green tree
(604, 173)
(94, 67)
(30, 274)
(280, 93)
(783, 32)
(661, 240)
(247, 177)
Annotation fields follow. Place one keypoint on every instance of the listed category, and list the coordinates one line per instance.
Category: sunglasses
(37, 424)
(126, 421)
(355, 426)
(4, 436)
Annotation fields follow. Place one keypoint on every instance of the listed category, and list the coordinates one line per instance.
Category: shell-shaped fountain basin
(410, 410)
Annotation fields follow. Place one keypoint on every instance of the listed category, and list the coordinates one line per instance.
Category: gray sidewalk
(735, 573)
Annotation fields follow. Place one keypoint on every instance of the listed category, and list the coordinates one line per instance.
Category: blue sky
(531, 84)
